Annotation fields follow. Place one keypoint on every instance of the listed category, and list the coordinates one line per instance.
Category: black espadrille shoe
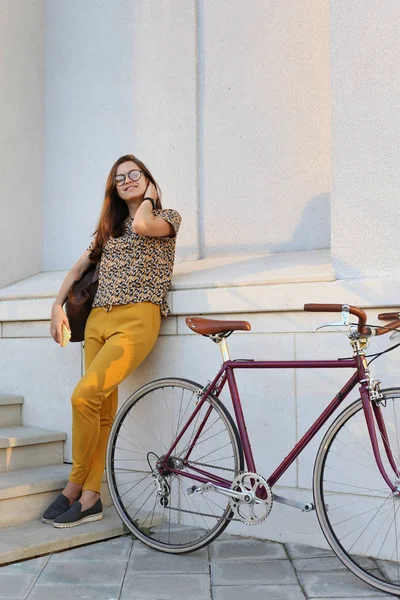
(58, 507)
(76, 516)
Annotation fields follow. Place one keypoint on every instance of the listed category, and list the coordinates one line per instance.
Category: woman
(135, 244)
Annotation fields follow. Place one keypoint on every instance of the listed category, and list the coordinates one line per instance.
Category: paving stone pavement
(232, 568)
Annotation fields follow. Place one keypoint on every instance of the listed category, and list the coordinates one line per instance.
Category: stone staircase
(32, 473)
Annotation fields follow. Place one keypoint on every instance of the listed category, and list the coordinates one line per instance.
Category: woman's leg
(91, 487)
(93, 343)
(130, 332)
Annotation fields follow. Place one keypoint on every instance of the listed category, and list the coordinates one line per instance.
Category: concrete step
(11, 399)
(26, 493)
(10, 410)
(23, 447)
(32, 539)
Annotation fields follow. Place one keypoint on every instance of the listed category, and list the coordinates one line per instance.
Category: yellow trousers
(116, 342)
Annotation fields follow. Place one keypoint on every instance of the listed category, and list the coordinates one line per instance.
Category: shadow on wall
(350, 270)
(313, 232)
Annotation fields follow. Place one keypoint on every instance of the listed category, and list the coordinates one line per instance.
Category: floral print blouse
(137, 268)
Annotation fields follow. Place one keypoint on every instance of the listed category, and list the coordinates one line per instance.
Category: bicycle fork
(371, 399)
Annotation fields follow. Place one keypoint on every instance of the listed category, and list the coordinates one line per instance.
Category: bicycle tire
(357, 511)
(159, 526)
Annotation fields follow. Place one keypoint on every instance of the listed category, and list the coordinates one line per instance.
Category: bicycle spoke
(353, 486)
(358, 511)
(150, 434)
(361, 464)
(208, 454)
(194, 431)
(136, 484)
(397, 434)
(161, 512)
(202, 441)
(388, 529)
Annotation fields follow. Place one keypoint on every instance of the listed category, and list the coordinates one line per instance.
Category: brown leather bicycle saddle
(214, 326)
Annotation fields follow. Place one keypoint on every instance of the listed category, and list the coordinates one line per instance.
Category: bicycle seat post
(220, 339)
(223, 346)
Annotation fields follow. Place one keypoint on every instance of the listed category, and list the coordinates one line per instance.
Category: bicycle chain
(192, 512)
(214, 467)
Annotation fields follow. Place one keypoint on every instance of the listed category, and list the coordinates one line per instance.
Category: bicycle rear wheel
(358, 514)
(143, 432)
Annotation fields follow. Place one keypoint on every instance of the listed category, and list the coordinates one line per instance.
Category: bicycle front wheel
(358, 513)
(154, 503)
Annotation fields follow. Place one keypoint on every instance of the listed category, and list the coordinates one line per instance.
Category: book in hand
(66, 335)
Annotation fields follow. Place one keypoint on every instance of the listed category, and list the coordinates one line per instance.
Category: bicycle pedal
(205, 487)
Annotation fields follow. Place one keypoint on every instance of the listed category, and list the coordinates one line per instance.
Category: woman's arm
(145, 223)
(75, 273)
(58, 316)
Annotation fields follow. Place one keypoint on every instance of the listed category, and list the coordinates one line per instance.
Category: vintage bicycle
(180, 468)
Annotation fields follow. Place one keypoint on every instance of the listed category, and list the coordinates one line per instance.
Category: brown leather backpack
(79, 301)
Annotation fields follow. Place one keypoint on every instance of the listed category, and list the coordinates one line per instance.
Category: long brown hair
(114, 210)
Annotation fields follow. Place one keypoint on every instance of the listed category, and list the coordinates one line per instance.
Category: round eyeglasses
(133, 175)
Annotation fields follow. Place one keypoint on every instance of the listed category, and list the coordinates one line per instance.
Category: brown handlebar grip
(390, 327)
(354, 310)
(323, 307)
(389, 316)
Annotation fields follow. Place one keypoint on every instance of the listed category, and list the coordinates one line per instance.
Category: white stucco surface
(21, 137)
(266, 126)
(365, 79)
(279, 405)
(272, 283)
(120, 78)
(164, 106)
(231, 110)
(232, 271)
(88, 118)
(228, 107)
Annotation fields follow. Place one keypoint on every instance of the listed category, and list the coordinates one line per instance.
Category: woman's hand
(151, 192)
(58, 317)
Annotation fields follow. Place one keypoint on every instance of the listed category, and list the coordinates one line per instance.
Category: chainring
(256, 505)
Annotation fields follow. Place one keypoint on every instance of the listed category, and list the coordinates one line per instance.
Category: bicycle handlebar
(363, 329)
(389, 316)
(354, 310)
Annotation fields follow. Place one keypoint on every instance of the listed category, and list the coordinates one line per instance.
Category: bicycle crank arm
(304, 507)
(210, 487)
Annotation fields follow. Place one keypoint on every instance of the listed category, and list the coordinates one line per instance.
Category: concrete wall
(228, 107)
(21, 137)
(279, 406)
(266, 126)
(89, 119)
(165, 107)
(120, 78)
(365, 79)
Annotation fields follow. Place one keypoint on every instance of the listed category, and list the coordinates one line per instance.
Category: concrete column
(21, 138)
(165, 106)
(121, 78)
(365, 83)
(266, 126)
(89, 117)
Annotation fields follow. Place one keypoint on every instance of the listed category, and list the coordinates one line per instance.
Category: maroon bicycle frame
(372, 411)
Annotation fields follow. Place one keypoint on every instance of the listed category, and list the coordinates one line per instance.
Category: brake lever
(344, 322)
(328, 325)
